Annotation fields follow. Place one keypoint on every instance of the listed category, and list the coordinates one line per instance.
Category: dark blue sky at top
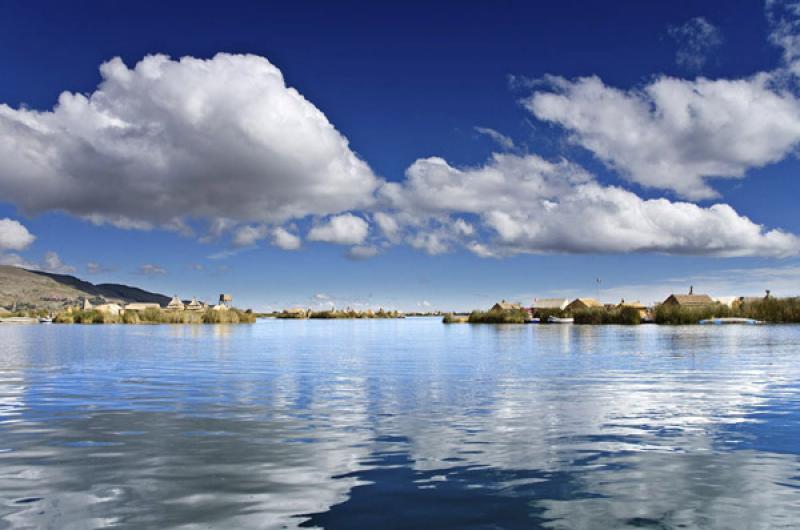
(400, 81)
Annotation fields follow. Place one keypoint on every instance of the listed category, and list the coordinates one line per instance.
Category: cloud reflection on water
(317, 423)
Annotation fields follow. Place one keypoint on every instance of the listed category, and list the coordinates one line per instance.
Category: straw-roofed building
(583, 303)
(550, 303)
(175, 304)
(505, 306)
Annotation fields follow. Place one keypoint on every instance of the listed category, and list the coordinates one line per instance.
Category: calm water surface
(399, 424)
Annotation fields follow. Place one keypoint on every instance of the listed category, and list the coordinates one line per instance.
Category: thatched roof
(141, 306)
(175, 303)
(550, 303)
(506, 306)
(689, 299)
(194, 305)
(584, 302)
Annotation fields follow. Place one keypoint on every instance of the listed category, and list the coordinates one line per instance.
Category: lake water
(399, 424)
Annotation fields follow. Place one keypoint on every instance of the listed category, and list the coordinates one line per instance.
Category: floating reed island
(175, 312)
(677, 309)
(298, 313)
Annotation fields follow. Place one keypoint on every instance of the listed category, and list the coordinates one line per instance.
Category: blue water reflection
(399, 424)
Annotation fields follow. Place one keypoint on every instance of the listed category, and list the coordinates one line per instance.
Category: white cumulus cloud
(674, 133)
(14, 235)
(249, 235)
(284, 239)
(345, 229)
(169, 140)
(531, 205)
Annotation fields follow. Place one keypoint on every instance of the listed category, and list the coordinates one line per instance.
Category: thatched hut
(194, 305)
(175, 304)
(583, 303)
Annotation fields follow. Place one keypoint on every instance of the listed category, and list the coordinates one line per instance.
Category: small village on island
(97, 310)
(38, 297)
(689, 308)
(176, 311)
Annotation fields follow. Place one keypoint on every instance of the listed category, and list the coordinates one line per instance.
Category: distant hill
(37, 289)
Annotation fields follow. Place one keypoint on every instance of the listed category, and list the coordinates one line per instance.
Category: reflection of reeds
(157, 316)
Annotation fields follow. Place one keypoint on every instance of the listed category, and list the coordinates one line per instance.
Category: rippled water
(399, 424)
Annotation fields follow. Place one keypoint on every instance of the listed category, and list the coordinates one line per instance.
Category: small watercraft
(729, 320)
(45, 320)
(560, 320)
(534, 320)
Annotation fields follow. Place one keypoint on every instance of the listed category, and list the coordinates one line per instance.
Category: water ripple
(399, 424)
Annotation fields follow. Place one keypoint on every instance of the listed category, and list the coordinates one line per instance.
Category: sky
(406, 155)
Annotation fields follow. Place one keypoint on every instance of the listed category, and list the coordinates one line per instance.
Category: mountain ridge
(33, 289)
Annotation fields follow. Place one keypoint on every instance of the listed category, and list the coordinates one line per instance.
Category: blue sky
(408, 155)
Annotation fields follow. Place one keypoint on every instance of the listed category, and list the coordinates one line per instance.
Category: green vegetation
(597, 315)
(334, 314)
(450, 318)
(677, 315)
(27, 313)
(290, 314)
(510, 316)
(773, 310)
(354, 314)
(777, 310)
(157, 316)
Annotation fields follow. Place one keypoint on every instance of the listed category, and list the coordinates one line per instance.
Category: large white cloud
(225, 140)
(14, 235)
(530, 205)
(222, 138)
(673, 133)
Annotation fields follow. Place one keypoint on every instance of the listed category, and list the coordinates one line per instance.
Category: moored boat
(560, 320)
(729, 320)
(45, 320)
